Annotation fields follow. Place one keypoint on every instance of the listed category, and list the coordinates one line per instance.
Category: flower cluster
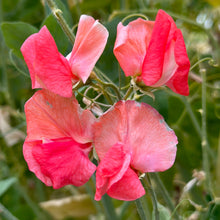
(131, 137)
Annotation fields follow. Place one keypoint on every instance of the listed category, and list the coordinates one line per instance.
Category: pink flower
(51, 70)
(154, 52)
(129, 139)
(59, 139)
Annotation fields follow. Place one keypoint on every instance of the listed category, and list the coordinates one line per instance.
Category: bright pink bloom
(51, 70)
(131, 138)
(155, 52)
(59, 139)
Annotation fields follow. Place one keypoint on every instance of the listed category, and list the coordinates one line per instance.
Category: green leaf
(15, 33)
(6, 184)
(58, 34)
(163, 212)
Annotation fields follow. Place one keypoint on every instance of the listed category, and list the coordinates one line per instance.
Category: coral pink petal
(179, 81)
(90, 42)
(107, 131)
(128, 188)
(62, 163)
(131, 45)
(51, 116)
(111, 169)
(154, 59)
(48, 68)
(152, 142)
(32, 163)
(142, 131)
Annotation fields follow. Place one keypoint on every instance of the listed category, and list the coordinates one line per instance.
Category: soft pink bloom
(59, 139)
(51, 70)
(131, 138)
(155, 52)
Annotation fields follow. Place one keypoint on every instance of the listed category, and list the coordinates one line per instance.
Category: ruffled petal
(143, 133)
(153, 62)
(51, 116)
(48, 68)
(128, 188)
(109, 130)
(111, 169)
(179, 81)
(59, 163)
(152, 142)
(90, 42)
(131, 45)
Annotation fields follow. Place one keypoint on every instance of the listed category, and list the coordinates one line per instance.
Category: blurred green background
(24, 197)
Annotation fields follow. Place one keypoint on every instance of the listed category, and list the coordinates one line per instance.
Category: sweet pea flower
(51, 70)
(59, 139)
(131, 138)
(154, 52)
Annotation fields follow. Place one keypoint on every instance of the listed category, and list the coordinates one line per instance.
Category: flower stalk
(153, 197)
(58, 15)
(140, 209)
(205, 154)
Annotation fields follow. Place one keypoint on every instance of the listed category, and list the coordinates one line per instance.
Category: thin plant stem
(58, 15)
(153, 197)
(123, 208)
(195, 123)
(107, 96)
(134, 15)
(107, 204)
(100, 73)
(109, 207)
(6, 214)
(128, 93)
(206, 165)
(91, 194)
(140, 209)
(29, 201)
(115, 88)
(179, 204)
(200, 61)
(164, 193)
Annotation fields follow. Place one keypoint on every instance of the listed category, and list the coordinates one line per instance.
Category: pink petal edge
(91, 39)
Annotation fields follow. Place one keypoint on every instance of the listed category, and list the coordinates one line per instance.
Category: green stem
(91, 194)
(29, 201)
(134, 15)
(200, 61)
(109, 207)
(195, 123)
(140, 209)
(123, 208)
(6, 214)
(206, 166)
(107, 204)
(110, 85)
(107, 96)
(58, 15)
(128, 93)
(153, 197)
(164, 193)
(101, 74)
